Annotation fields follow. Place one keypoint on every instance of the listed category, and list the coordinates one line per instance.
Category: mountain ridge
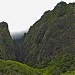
(50, 41)
(49, 45)
(6, 43)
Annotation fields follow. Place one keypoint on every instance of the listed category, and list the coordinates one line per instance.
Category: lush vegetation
(49, 43)
(48, 46)
(50, 37)
(69, 73)
(8, 67)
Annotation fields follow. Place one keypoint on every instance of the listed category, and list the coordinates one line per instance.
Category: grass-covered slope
(6, 43)
(9, 67)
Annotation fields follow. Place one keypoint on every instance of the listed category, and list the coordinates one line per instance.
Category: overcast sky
(21, 14)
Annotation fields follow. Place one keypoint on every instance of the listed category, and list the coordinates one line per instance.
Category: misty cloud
(17, 35)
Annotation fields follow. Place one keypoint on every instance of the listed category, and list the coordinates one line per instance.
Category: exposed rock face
(6, 43)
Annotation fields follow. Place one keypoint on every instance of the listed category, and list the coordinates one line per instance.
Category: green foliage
(60, 64)
(69, 73)
(48, 45)
(9, 67)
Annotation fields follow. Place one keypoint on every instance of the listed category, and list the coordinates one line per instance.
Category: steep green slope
(60, 65)
(9, 67)
(51, 40)
(6, 43)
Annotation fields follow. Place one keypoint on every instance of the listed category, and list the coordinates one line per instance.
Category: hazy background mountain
(17, 35)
